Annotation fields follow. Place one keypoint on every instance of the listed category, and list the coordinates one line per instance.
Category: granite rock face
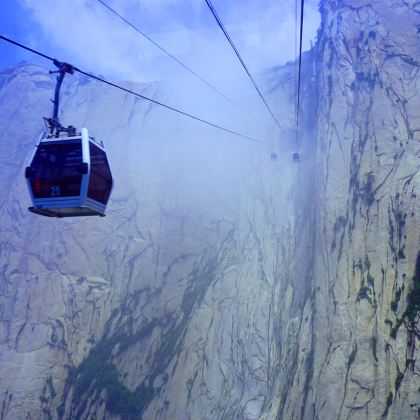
(171, 306)
(366, 330)
(222, 284)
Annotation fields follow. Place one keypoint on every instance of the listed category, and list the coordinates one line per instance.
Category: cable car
(296, 157)
(69, 176)
(273, 156)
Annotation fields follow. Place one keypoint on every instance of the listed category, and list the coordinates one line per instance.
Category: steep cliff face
(366, 330)
(180, 303)
(222, 284)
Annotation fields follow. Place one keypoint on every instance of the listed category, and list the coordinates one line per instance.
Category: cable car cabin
(69, 176)
(296, 157)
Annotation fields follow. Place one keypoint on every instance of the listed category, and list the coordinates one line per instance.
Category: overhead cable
(173, 57)
(302, 4)
(220, 23)
(186, 114)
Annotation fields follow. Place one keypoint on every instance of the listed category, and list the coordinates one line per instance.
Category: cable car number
(55, 191)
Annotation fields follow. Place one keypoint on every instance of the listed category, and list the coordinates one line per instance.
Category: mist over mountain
(223, 284)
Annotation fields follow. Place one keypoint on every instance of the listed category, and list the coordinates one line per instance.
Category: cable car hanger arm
(63, 68)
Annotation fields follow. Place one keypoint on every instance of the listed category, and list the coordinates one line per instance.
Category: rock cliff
(222, 284)
(366, 335)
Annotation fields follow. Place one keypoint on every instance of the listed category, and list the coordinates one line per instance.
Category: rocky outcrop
(171, 306)
(222, 284)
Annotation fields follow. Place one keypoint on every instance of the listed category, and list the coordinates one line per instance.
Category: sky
(89, 36)
(86, 34)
